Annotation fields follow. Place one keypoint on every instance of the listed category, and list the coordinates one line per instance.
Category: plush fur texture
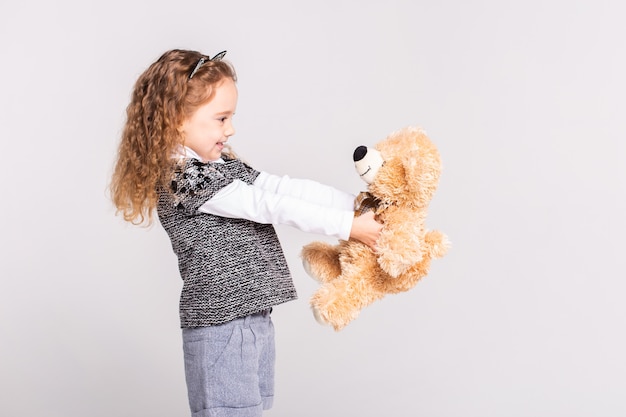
(352, 276)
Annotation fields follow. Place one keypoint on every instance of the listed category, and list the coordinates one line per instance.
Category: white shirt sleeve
(304, 204)
(304, 189)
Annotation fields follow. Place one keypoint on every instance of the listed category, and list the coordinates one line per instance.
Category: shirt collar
(186, 152)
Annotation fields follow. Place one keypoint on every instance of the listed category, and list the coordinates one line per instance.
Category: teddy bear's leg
(321, 261)
(338, 302)
(437, 243)
(332, 306)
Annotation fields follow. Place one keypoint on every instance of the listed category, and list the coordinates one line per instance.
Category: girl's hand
(366, 230)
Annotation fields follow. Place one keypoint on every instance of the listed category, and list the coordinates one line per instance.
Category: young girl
(218, 212)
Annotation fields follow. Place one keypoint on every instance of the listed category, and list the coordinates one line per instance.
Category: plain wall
(526, 102)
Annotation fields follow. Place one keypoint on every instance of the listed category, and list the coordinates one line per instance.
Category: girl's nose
(230, 130)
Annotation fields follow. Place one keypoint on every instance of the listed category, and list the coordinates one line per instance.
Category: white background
(525, 100)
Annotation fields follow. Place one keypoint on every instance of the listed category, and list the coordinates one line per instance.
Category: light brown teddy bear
(402, 173)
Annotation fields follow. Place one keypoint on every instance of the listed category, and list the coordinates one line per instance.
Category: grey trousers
(229, 368)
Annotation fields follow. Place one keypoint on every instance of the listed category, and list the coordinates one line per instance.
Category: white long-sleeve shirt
(272, 199)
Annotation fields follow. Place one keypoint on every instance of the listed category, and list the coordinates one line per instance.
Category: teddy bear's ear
(390, 181)
(422, 164)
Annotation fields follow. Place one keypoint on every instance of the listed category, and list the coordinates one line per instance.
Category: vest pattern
(230, 267)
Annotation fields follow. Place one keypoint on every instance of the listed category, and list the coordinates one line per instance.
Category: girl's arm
(307, 190)
(240, 200)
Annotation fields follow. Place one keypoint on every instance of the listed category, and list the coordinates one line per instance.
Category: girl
(218, 212)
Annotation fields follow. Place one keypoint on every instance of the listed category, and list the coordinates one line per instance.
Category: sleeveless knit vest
(230, 267)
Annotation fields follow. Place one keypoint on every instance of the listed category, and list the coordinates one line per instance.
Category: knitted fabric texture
(230, 267)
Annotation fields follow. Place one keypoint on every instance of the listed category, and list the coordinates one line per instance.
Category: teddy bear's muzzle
(367, 162)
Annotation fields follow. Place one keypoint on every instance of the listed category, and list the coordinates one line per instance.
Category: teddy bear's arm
(400, 243)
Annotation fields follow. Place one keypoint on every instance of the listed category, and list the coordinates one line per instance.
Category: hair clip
(201, 61)
(218, 57)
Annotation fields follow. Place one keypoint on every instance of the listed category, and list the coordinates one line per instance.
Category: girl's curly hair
(163, 97)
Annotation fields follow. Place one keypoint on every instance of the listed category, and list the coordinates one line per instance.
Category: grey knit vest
(230, 267)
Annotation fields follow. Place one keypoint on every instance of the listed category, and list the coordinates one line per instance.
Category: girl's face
(210, 126)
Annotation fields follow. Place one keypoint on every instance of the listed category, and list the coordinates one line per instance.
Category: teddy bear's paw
(319, 317)
(321, 261)
(307, 268)
(438, 242)
(324, 321)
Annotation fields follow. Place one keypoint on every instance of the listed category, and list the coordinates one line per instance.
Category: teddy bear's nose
(359, 153)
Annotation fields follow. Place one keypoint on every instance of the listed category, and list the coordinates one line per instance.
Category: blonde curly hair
(163, 97)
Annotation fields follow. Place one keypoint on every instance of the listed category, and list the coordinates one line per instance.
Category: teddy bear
(402, 173)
